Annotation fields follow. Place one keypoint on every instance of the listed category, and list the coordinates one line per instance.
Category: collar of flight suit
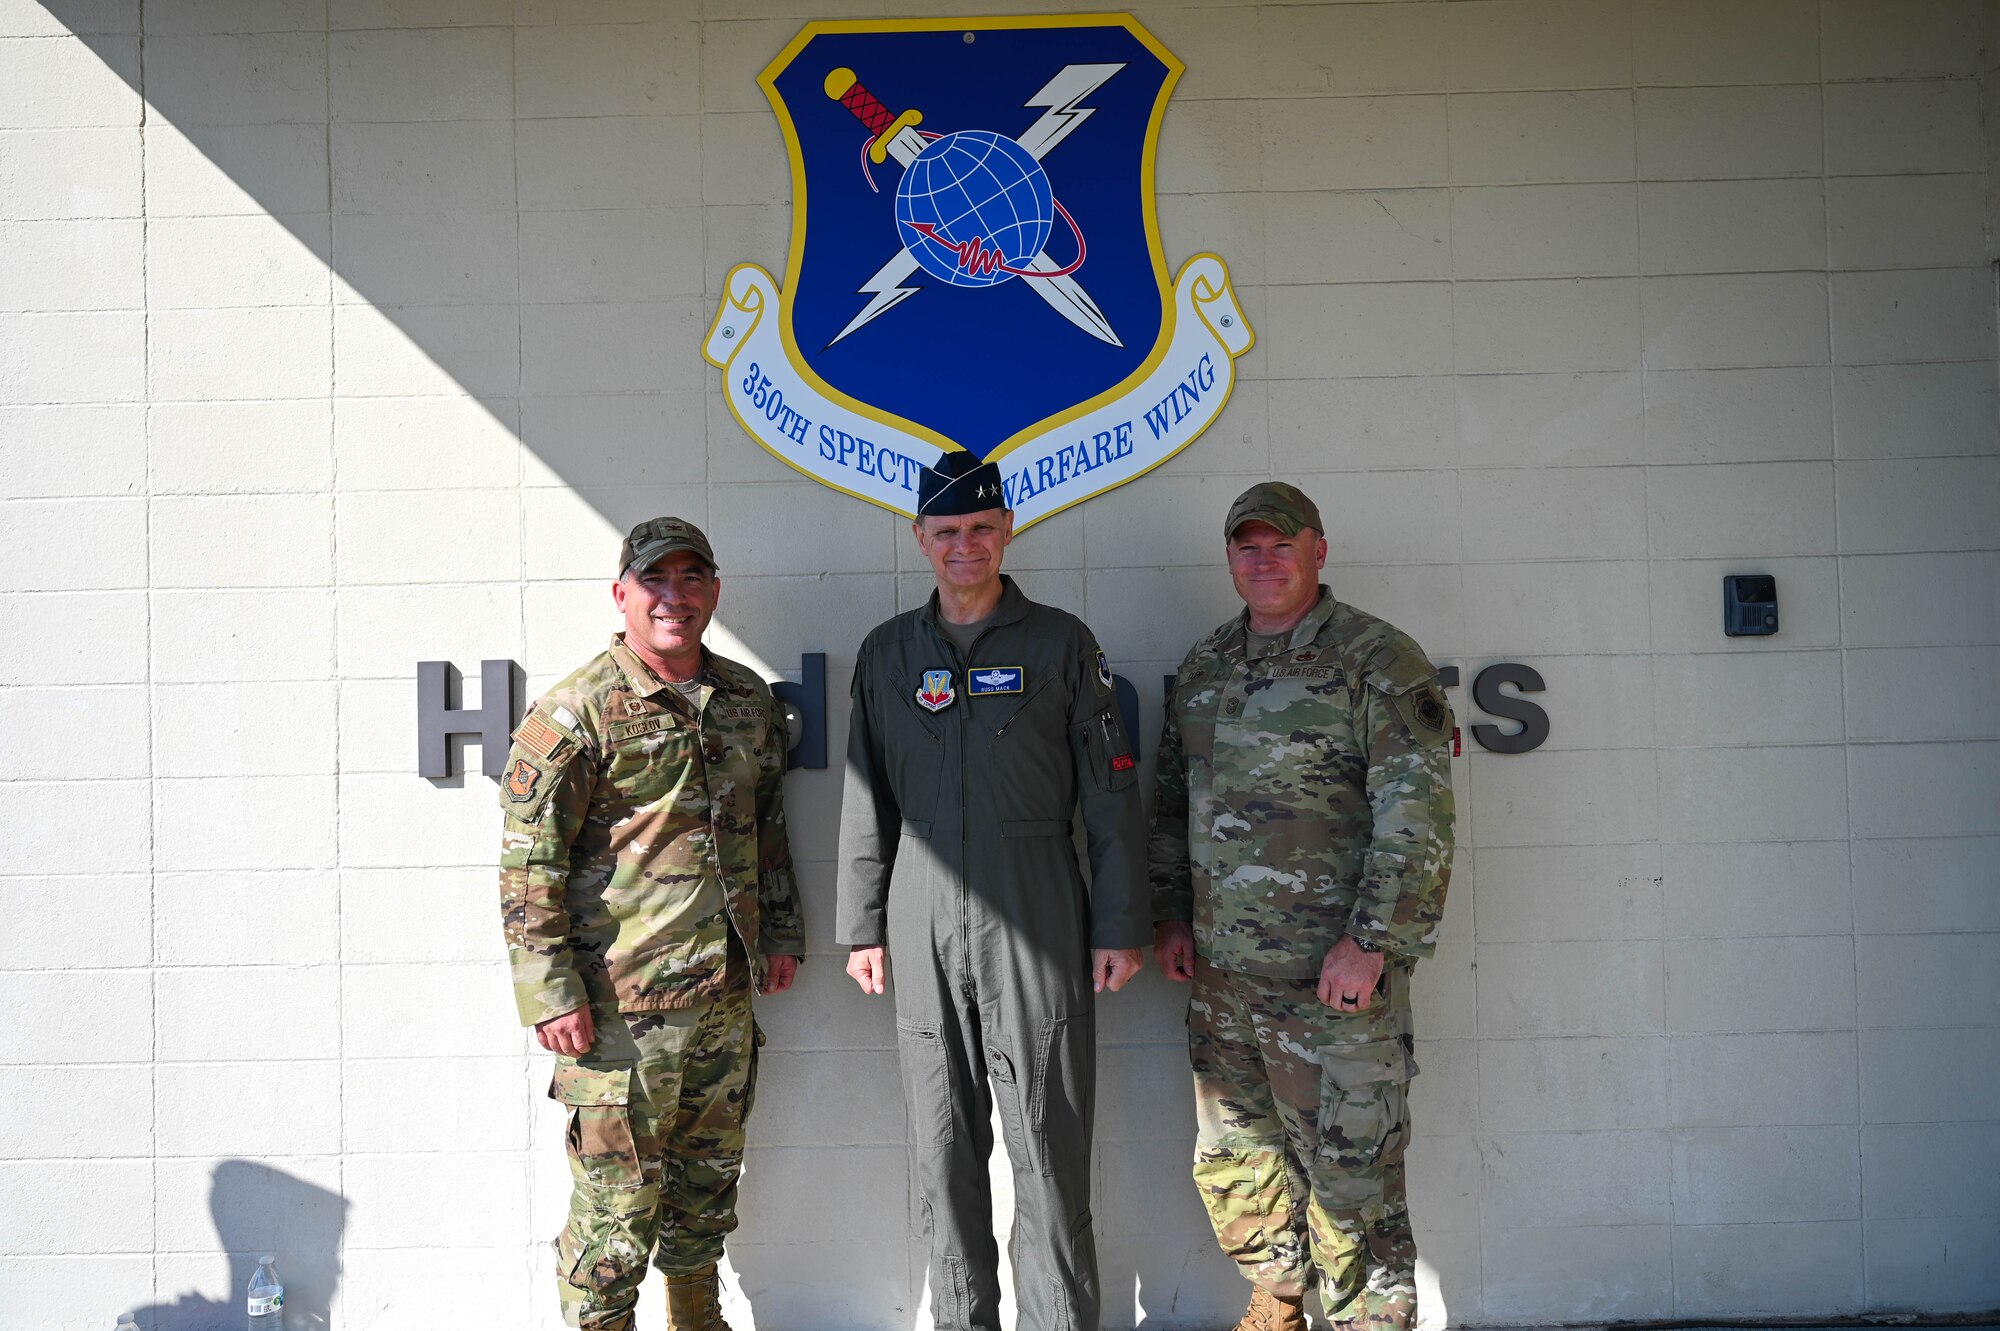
(1302, 632)
(641, 677)
(1013, 607)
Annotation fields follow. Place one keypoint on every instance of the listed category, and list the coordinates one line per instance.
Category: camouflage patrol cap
(656, 538)
(1283, 506)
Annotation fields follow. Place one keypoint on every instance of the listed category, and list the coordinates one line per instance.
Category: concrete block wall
(336, 335)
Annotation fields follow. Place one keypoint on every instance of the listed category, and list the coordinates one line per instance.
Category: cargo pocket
(1011, 1096)
(957, 1292)
(926, 1083)
(1059, 1099)
(601, 1144)
(1363, 1120)
(612, 1209)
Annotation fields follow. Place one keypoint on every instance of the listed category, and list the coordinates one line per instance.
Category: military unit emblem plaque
(975, 264)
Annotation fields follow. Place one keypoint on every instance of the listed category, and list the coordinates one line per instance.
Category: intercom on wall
(1749, 605)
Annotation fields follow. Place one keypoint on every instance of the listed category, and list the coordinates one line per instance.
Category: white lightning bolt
(884, 290)
(1061, 95)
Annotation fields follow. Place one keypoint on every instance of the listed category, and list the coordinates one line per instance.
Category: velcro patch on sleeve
(523, 779)
(1427, 714)
(538, 737)
(1123, 762)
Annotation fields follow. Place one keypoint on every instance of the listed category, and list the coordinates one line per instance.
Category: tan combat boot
(1273, 1312)
(694, 1303)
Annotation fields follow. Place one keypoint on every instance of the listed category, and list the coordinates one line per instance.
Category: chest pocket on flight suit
(913, 752)
(1025, 771)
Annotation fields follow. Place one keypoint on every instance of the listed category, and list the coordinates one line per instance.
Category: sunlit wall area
(336, 336)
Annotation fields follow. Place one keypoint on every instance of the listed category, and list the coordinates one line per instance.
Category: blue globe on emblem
(973, 205)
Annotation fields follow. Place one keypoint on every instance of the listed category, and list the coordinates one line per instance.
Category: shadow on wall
(257, 1210)
(457, 231)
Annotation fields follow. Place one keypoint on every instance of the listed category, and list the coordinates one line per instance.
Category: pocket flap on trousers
(1378, 1061)
(574, 1085)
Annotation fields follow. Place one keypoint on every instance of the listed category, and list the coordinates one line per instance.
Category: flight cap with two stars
(959, 483)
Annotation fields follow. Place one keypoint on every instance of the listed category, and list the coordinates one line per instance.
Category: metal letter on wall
(1509, 707)
(437, 720)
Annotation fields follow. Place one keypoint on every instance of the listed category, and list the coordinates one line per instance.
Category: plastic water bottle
(267, 1297)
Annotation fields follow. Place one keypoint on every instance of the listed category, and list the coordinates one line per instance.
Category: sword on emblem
(897, 136)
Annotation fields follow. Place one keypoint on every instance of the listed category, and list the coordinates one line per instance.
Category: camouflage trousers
(1303, 1121)
(656, 1115)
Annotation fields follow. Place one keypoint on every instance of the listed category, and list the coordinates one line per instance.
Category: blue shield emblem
(975, 264)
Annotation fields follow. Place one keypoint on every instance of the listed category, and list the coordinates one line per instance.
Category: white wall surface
(338, 335)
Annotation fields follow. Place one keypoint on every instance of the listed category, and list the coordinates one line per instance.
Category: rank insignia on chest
(1103, 671)
(996, 679)
(522, 778)
(936, 692)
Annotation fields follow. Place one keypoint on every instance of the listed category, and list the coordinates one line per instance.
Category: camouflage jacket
(638, 834)
(1304, 794)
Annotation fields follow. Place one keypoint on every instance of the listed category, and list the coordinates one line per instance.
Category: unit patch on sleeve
(1103, 671)
(1426, 713)
(522, 778)
(997, 679)
(1430, 710)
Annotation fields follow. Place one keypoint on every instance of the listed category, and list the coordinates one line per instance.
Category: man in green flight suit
(980, 723)
(646, 887)
(1301, 847)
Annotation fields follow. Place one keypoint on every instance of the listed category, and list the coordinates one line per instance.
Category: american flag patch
(539, 737)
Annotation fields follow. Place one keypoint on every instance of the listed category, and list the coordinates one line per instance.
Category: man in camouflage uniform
(1300, 853)
(646, 886)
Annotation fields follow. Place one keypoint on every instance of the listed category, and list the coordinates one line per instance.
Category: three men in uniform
(1300, 850)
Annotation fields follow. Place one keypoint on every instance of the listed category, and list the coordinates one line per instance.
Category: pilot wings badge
(975, 264)
(997, 679)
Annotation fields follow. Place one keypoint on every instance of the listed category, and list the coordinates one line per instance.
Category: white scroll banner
(1051, 467)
